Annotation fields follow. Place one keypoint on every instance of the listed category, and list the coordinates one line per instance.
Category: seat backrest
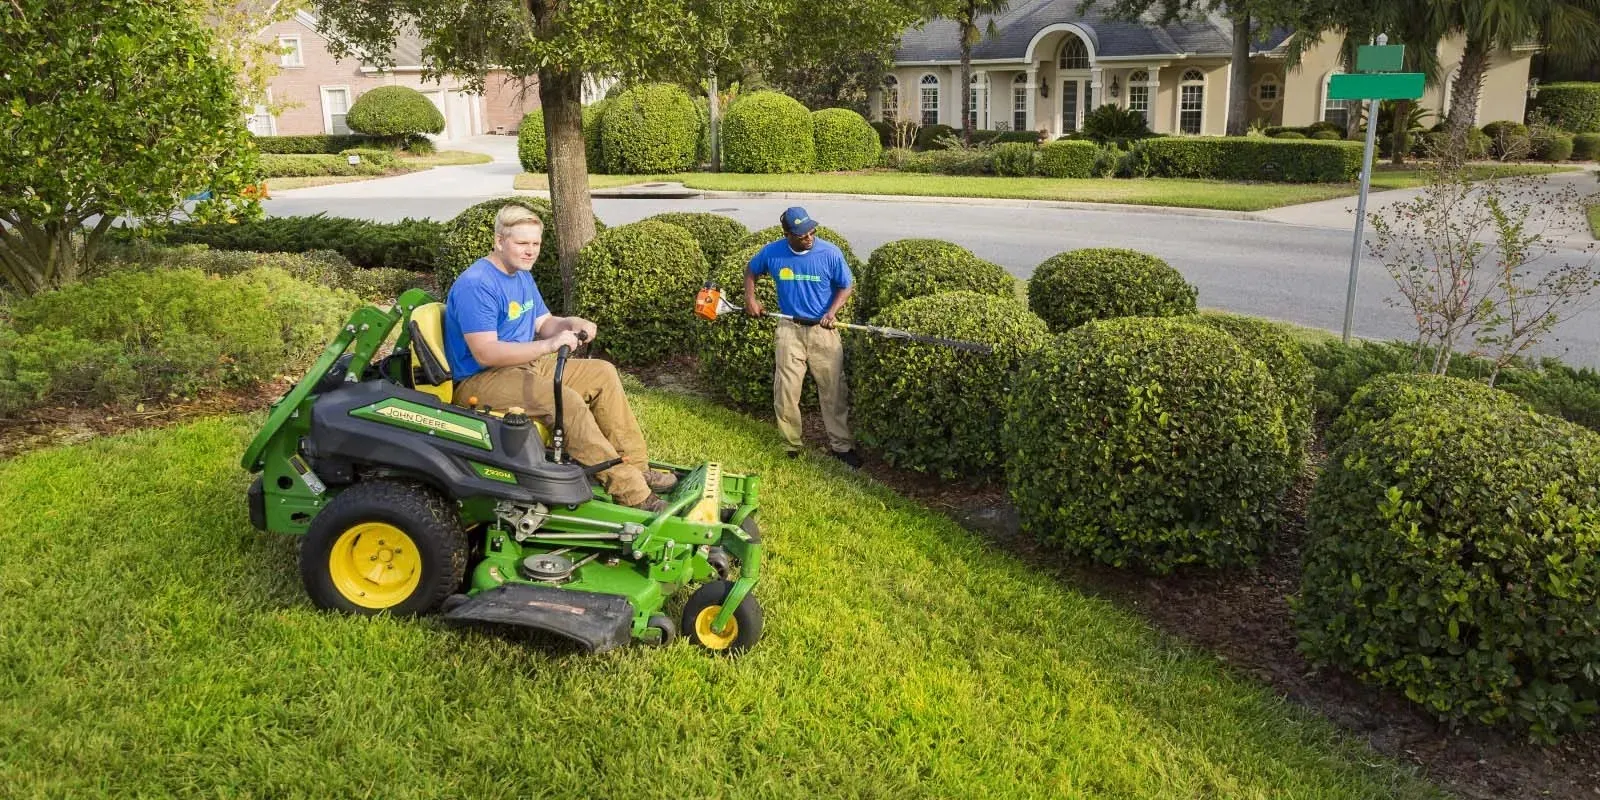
(430, 368)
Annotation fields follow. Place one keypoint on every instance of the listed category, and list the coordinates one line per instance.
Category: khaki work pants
(813, 347)
(599, 422)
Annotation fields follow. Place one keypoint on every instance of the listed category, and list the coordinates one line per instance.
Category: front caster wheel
(743, 631)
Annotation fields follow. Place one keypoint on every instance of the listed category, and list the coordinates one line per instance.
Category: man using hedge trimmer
(813, 282)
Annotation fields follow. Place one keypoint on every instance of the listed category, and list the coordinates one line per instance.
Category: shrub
(174, 331)
(635, 282)
(1070, 289)
(909, 268)
(957, 161)
(1014, 159)
(1570, 106)
(768, 132)
(382, 159)
(1387, 395)
(844, 140)
(1148, 442)
(1111, 124)
(470, 236)
(274, 166)
(319, 143)
(929, 137)
(1067, 159)
(938, 409)
(1452, 554)
(1553, 147)
(318, 267)
(1274, 130)
(410, 244)
(593, 142)
(1586, 147)
(1295, 135)
(1248, 158)
(531, 143)
(885, 133)
(717, 235)
(737, 353)
(395, 113)
(650, 129)
(420, 146)
(1288, 366)
(1508, 139)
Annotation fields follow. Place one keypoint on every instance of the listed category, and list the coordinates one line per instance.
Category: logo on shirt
(515, 310)
(787, 274)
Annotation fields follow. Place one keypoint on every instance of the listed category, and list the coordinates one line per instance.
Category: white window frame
(1139, 81)
(299, 54)
(1083, 47)
(1188, 82)
(889, 109)
(1352, 108)
(972, 105)
(259, 110)
(327, 116)
(1019, 102)
(923, 107)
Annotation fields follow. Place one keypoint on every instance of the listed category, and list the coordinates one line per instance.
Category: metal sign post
(1373, 83)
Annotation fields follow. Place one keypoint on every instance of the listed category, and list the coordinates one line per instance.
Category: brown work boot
(651, 503)
(658, 481)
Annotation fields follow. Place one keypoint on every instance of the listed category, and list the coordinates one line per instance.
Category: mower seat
(430, 369)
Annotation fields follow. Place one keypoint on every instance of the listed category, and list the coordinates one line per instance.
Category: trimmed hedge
(1148, 442)
(470, 236)
(844, 140)
(531, 148)
(1295, 135)
(928, 136)
(768, 132)
(1553, 148)
(394, 112)
(717, 235)
(1454, 553)
(304, 166)
(635, 282)
(1586, 147)
(593, 139)
(1014, 159)
(1068, 159)
(1252, 159)
(318, 267)
(1571, 106)
(1070, 289)
(1387, 395)
(650, 129)
(908, 268)
(319, 143)
(383, 159)
(410, 244)
(936, 409)
(1291, 371)
(169, 332)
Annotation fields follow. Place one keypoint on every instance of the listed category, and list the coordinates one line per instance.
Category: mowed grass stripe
(152, 643)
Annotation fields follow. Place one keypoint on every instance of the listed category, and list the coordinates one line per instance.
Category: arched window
(890, 107)
(1338, 112)
(930, 99)
(1139, 93)
(1192, 102)
(1019, 102)
(1074, 54)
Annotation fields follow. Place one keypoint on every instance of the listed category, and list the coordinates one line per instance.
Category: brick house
(318, 89)
(1047, 65)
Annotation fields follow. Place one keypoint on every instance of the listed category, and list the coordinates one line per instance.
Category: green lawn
(1171, 192)
(1594, 221)
(443, 158)
(151, 643)
(1386, 177)
(447, 158)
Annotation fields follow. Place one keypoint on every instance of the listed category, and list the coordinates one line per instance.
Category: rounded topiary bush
(1384, 395)
(530, 142)
(718, 236)
(1507, 139)
(1327, 136)
(470, 236)
(910, 268)
(1553, 147)
(1586, 147)
(395, 113)
(1453, 553)
(1286, 362)
(937, 409)
(592, 142)
(1148, 442)
(1296, 134)
(636, 283)
(768, 132)
(844, 140)
(1072, 288)
(650, 129)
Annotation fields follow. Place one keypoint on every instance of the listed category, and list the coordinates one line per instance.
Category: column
(1097, 94)
(982, 101)
(1154, 87)
(1032, 91)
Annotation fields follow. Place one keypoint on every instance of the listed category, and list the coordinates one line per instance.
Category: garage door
(460, 111)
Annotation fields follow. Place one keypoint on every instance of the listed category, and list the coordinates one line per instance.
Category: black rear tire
(384, 546)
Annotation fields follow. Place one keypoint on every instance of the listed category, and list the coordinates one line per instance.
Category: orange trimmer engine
(708, 303)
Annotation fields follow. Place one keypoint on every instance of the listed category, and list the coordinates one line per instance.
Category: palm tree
(1572, 28)
(966, 17)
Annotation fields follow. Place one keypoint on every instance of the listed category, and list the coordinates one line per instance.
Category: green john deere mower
(410, 504)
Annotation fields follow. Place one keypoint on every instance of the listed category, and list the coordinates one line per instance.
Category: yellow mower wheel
(383, 547)
(743, 630)
(375, 565)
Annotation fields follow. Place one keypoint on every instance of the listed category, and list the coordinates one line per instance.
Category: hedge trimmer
(709, 303)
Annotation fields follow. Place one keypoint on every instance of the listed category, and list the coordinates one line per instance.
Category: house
(1046, 65)
(314, 89)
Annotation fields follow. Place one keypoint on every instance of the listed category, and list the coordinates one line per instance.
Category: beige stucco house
(1046, 65)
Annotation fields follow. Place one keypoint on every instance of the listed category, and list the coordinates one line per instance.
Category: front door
(1075, 101)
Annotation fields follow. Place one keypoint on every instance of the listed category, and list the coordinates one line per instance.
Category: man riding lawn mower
(410, 503)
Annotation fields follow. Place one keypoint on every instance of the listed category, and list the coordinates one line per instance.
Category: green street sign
(1380, 57)
(1377, 86)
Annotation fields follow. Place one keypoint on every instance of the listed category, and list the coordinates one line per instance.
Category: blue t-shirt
(485, 299)
(806, 283)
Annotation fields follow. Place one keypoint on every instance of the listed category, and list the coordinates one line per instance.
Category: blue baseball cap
(797, 222)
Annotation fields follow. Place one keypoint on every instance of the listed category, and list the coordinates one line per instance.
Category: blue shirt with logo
(485, 299)
(806, 282)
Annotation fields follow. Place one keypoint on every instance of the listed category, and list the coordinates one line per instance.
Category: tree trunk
(1399, 141)
(1469, 84)
(561, 96)
(714, 124)
(967, 25)
(1239, 86)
